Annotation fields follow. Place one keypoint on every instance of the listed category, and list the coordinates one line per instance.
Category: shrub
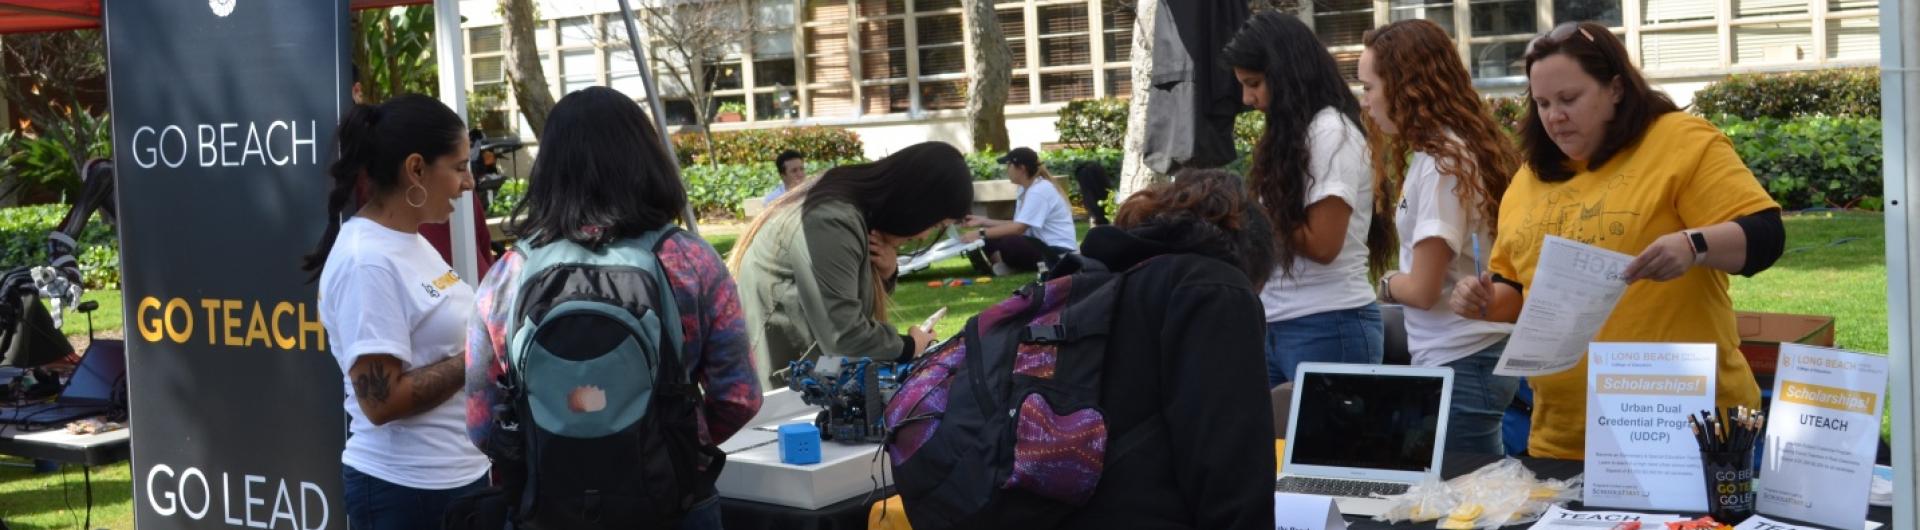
(718, 191)
(23, 242)
(1507, 112)
(1812, 161)
(1851, 92)
(1093, 123)
(714, 191)
(760, 146)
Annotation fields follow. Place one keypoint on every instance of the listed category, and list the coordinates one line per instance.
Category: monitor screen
(101, 373)
(1371, 421)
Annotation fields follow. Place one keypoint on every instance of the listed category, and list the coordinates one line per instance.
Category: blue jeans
(1480, 402)
(374, 504)
(1352, 336)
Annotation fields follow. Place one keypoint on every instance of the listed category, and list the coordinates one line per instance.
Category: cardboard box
(1761, 335)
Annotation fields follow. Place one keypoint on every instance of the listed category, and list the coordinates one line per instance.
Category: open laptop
(1356, 430)
(100, 377)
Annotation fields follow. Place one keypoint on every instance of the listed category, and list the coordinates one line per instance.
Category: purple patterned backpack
(1000, 427)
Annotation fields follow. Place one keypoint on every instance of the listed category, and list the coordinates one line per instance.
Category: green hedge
(23, 242)
(718, 191)
(1093, 123)
(1812, 161)
(1851, 92)
(761, 146)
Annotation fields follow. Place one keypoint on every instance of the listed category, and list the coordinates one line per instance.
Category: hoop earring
(423, 195)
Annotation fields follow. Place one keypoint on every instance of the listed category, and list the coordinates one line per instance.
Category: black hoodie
(1189, 347)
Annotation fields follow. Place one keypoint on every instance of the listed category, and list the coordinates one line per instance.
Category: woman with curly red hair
(1436, 143)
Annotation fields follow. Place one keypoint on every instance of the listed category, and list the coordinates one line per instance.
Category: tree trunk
(701, 95)
(530, 87)
(987, 84)
(1134, 172)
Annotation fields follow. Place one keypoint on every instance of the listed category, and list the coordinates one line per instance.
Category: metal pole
(449, 51)
(1899, 93)
(653, 99)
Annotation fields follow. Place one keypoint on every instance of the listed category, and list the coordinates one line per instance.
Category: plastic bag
(1500, 494)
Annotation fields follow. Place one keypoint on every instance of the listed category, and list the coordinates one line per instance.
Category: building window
(1013, 26)
(1603, 11)
(883, 63)
(1438, 11)
(1853, 39)
(1340, 24)
(1066, 52)
(579, 69)
(1673, 11)
(829, 73)
(775, 69)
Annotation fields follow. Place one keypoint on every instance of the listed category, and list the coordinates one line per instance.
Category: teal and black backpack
(602, 405)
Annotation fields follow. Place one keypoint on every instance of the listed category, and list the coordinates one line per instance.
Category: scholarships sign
(1821, 435)
(1641, 453)
(223, 117)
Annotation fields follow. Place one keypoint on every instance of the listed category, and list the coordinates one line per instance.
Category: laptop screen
(102, 371)
(1370, 421)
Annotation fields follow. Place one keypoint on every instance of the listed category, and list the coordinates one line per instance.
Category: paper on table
(1563, 519)
(1761, 522)
(1574, 289)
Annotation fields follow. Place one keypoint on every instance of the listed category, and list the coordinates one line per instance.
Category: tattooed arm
(386, 393)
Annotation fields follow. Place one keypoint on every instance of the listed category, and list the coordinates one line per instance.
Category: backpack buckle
(1045, 334)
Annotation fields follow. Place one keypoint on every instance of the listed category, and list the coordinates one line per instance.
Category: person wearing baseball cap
(1042, 226)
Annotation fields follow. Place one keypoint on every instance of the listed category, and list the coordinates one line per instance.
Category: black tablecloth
(850, 514)
(1457, 464)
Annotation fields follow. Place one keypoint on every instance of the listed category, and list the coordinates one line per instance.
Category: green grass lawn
(1834, 265)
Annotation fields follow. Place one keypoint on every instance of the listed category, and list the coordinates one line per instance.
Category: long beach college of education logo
(222, 8)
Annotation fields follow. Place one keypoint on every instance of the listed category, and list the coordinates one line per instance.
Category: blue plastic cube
(799, 444)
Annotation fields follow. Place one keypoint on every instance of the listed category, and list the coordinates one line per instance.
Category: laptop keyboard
(1337, 487)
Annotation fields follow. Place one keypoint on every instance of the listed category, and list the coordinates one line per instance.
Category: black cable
(63, 492)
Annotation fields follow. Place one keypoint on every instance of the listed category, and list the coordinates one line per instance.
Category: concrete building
(894, 71)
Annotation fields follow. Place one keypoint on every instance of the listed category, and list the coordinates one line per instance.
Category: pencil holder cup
(1730, 492)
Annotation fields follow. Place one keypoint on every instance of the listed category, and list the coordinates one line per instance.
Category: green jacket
(806, 284)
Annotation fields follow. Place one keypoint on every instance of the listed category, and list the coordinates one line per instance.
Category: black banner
(223, 117)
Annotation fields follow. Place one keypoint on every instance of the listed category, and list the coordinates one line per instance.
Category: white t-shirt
(1046, 215)
(1339, 165)
(385, 292)
(1430, 209)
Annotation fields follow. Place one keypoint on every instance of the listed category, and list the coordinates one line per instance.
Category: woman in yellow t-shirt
(1613, 163)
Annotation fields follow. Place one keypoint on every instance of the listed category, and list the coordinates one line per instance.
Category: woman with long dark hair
(1312, 174)
(816, 268)
(1613, 163)
(1435, 142)
(395, 313)
(604, 178)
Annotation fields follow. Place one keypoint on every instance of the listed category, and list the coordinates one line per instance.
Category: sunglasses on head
(1560, 34)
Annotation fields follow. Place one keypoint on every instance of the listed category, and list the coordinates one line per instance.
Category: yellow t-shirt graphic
(1683, 173)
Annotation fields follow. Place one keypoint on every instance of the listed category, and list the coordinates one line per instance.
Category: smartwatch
(1699, 243)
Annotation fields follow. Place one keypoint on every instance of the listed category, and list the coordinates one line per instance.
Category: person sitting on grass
(1042, 227)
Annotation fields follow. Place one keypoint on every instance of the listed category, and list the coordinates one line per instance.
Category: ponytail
(374, 141)
(353, 140)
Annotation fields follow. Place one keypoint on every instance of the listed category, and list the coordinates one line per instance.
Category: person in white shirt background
(1311, 171)
(1440, 147)
(793, 171)
(396, 314)
(1042, 227)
